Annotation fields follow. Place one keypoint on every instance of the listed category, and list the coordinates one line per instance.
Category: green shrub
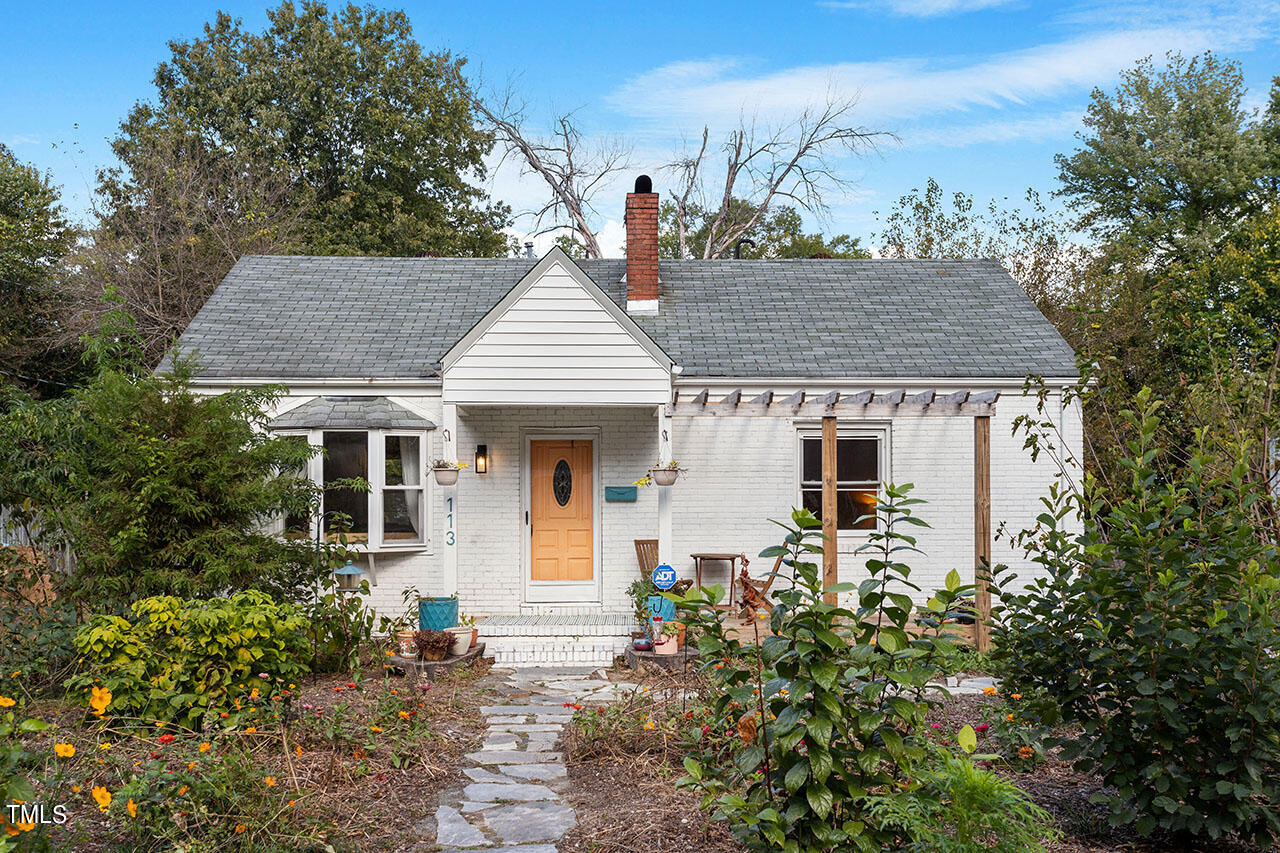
(829, 707)
(176, 660)
(954, 806)
(1155, 629)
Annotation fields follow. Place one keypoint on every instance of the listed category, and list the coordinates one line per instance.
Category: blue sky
(981, 93)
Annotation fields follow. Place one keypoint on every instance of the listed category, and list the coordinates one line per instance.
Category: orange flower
(132, 807)
(251, 730)
(291, 802)
(64, 750)
(988, 691)
(359, 754)
(11, 829)
(191, 765)
(240, 827)
(206, 746)
(101, 796)
(270, 781)
(1026, 752)
(75, 789)
(1008, 718)
(404, 715)
(298, 750)
(375, 729)
(99, 699)
(6, 702)
(26, 827)
(1017, 696)
(183, 790)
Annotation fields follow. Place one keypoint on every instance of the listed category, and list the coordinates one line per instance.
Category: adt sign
(664, 577)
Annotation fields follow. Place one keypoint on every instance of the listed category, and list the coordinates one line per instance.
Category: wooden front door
(560, 495)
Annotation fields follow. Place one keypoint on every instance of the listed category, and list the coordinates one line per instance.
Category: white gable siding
(554, 345)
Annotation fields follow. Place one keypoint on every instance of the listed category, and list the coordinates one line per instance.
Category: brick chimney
(642, 248)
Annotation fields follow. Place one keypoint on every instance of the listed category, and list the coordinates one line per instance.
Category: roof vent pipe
(528, 249)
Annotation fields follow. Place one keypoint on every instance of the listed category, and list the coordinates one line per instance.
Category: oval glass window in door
(562, 482)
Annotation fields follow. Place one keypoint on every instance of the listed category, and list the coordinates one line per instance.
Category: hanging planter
(662, 475)
(447, 472)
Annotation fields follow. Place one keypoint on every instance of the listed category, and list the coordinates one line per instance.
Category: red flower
(165, 739)
(982, 728)
(351, 685)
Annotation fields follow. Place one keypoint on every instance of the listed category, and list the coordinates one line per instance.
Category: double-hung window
(859, 472)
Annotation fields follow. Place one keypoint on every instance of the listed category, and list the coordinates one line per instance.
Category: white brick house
(576, 377)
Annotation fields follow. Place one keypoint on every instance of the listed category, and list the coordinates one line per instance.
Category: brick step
(560, 639)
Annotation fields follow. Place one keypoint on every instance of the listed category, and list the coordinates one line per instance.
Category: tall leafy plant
(829, 705)
(1155, 626)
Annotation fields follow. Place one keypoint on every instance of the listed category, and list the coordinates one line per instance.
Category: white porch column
(449, 523)
(665, 455)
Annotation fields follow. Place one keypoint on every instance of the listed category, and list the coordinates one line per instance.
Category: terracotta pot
(404, 643)
(475, 636)
(446, 476)
(681, 630)
(664, 476)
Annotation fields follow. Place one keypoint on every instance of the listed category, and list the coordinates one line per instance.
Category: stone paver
(513, 802)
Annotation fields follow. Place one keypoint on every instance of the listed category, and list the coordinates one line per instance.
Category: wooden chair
(647, 555)
(755, 594)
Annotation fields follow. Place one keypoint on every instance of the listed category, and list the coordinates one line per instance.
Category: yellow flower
(988, 691)
(1008, 718)
(101, 796)
(104, 745)
(253, 694)
(132, 807)
(64, 750)
(206, 746)
(271, 781)
(404, 715)
(6, 702)
(99, 699)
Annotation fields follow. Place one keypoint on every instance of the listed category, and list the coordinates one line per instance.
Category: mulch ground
(631, 805)
(369, 801)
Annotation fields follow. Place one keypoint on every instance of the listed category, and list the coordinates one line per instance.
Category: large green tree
(34, 238)
(377, 138)
(777, 233)
(1172, 163)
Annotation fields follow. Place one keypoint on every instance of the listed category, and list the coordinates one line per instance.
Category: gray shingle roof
(291, 317)
(350, 413)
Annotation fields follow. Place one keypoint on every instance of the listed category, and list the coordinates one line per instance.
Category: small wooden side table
(731, 559)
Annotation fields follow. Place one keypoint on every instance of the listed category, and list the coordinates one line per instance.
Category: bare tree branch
(762, 167)
(573, 169)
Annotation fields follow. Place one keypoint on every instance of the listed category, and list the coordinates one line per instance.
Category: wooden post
(830, 568)
(982, 529)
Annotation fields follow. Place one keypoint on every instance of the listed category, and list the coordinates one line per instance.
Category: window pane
(297, 524)
(851, 505)
(347, 457)
(811, 460)
(404, 462)
(402, 516)
(857, 459)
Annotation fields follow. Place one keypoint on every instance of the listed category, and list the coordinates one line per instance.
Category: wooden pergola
(832, 406)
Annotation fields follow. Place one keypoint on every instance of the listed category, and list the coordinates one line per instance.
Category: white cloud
(899, 90)
(999, 130)
(918, 8)
(20, 139)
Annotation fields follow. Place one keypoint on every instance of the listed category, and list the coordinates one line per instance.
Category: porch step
(557, 639)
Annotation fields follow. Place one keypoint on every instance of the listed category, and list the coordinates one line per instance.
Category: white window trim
(377, 445)
(879, 432)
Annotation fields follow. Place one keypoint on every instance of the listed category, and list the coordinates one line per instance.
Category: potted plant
(470, 622)
(432, 645)
(405, 643)
(447, 472)
(662, 474)
(460, 640)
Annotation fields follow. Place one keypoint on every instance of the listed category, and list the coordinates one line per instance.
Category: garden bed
(357, 764)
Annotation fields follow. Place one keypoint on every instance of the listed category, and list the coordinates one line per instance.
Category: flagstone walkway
(514, 801)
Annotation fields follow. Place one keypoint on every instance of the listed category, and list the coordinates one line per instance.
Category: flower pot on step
(461, 641)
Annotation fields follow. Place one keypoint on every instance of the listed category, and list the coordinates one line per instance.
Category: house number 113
(448, 521)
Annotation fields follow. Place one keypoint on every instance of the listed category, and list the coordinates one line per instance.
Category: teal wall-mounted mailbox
(620, 493)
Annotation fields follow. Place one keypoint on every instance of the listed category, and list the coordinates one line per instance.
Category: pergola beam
(865, 404)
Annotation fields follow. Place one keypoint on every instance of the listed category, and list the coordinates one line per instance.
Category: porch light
(482, 459)
(348, 576)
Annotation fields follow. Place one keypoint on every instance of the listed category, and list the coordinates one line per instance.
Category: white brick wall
(742, 471)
